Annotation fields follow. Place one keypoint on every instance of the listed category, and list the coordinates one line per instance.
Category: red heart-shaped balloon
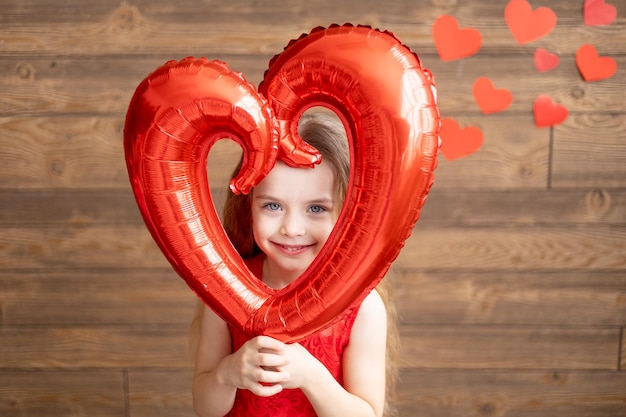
(387, 102)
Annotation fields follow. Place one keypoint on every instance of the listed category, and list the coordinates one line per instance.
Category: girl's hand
(300, 366)
(257, 366)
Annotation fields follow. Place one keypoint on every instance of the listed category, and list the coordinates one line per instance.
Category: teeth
(292, 248)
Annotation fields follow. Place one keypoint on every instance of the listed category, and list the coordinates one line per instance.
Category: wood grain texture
(497, 347)
(61, 393)
(94, 297)
(518, 75)
(160, 393)
(509, 347)
(444, 206)
(590, 143)
(511, 290)
(524, 207)
(505, 393)
(143, 27)
(99, 85)
(87, 153)
(523, 248)
(550, 298)
(507, 159)
(62, 153)
(104, 84)
(80, 153)
(75, 347)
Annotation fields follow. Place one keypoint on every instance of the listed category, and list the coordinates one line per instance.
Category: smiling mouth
(292, 249)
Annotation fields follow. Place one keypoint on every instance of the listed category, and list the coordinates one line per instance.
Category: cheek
(254, 220)
(327, 228)
(261, 226)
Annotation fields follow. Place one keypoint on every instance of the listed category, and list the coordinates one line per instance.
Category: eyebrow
(264, 197)
(323, 201)
(316, 201)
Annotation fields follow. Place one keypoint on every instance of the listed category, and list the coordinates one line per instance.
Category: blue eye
(272, 206)
(317, 209)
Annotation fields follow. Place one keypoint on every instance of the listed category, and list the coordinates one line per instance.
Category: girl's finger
(270, 360)
(266, 390)
(265, 342)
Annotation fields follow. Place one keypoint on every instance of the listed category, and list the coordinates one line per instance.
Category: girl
(279, 228)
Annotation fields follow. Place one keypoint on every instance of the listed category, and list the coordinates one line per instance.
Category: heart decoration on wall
(598, 13)
(547, 113)
(452, 42)
(526, 24)
(545, 60)
(491, 99)
(592, 66)
(387, 102)
(457, 142)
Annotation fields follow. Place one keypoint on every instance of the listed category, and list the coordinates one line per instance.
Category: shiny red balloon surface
(387, 102)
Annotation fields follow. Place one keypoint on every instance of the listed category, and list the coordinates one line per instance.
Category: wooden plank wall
(512, 289)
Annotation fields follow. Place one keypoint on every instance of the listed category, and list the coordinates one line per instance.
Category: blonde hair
(324, 131)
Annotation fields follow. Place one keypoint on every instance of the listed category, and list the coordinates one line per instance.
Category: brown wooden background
(512, 289)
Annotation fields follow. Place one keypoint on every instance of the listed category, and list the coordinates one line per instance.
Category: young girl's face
(293, 213)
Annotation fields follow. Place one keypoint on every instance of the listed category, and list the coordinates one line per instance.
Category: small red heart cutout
(491, 99)
(592, 66)
(459, 142)
(526, 24)
(547, 113)
(598, 13)
(452, 42)
(545, 60)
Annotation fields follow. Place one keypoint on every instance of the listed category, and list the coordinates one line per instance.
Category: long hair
(325, 132)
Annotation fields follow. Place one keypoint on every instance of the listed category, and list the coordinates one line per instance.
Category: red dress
(326, 345)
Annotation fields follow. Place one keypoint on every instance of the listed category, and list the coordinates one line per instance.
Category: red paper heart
(592, 66)
(490, 99)
(547, 113)
(452, 42)
(526, 24)
(387, 102)
(456, 142)
(545, 60)
(597, 13)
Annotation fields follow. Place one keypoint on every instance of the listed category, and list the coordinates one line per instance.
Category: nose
(292, 225)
